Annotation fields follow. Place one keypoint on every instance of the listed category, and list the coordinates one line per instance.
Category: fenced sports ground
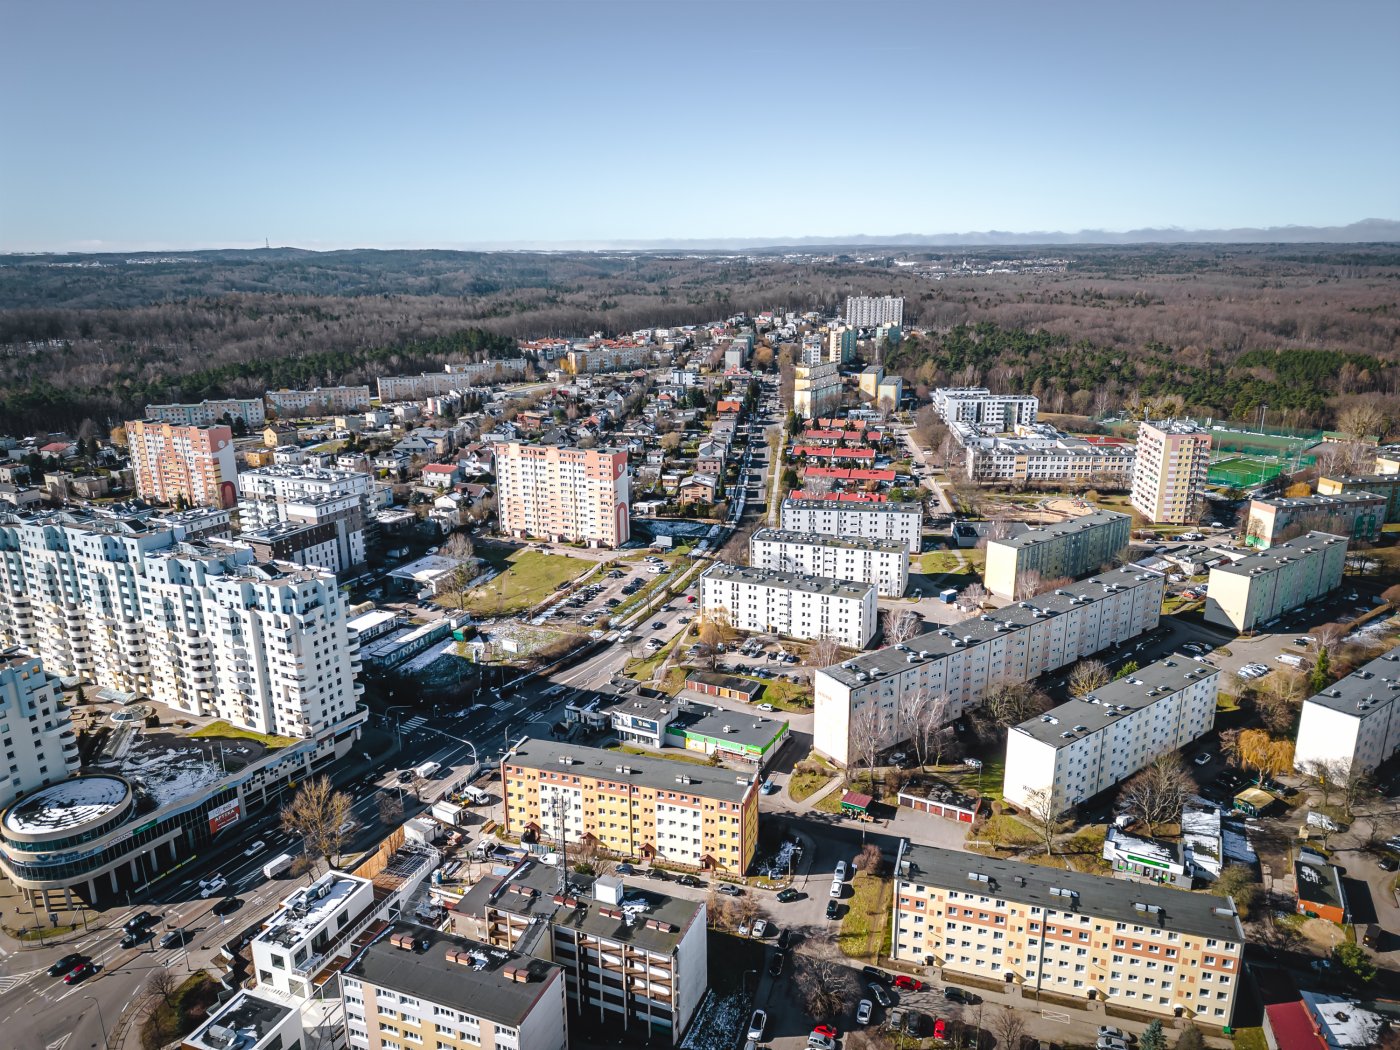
(1243, 455)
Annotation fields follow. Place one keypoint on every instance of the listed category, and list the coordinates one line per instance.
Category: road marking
(500, 705)
(15, 980)
(1055, 1015)
(416, 722)
(57, 1044)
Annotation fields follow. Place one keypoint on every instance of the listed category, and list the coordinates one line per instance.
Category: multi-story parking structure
(1080, 748)
(1353, 725)
(1066, 548)
(884, 563)
(900, 522)
(565, 494)
(963, 660)
(1033, 930)
(793, 604)
(1262, 586)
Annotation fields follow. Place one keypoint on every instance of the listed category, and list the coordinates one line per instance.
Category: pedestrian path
(414, 723)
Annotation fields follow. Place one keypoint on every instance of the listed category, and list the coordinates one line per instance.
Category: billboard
(221, 817)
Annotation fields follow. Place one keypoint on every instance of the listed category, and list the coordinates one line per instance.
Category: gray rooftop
(249, 1017)
(741, 727)
(1385, 480)
(1041, 533)
(1373, 684)
(1076, 719)
(1314, 502)
(942, 641)
(660, 773)
(820, 539)
(1198, 914)
(836, 504)
(1280, 554)
(1177, 426)
(484, 987)
(788, 581)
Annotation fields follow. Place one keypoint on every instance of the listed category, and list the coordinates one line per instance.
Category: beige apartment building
(1262, 586)
(816, 389)
(631, 805)
(563, 494)
(1169, 472)
(1386, 486)
(1150, 949)
(1066, 548)
(193, 464)
(1356, 514)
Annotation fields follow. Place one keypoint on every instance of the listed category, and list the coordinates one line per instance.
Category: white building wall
(833, 518)
(888, 570)
(40, 747)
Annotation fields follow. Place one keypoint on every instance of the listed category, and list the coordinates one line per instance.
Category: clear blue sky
(175, 125)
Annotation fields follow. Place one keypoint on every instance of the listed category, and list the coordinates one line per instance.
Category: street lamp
(100, 1020)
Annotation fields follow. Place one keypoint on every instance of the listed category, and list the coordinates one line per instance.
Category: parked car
(775, 968)
(784, 939)
(863, 1011)
(912, 984)
(1109, 1043)
(840, 872)
(760, 927)
(878, 974)
(833, 909)
(1110, 1032)
(744, 929)
(957, 995)
(688, 880)
(788, 895)
(757, 1023)
(625, 869)
(657, 873)
(879, 994)
(730, 890)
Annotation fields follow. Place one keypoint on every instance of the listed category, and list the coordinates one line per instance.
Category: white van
(277, 865)
(427, 769)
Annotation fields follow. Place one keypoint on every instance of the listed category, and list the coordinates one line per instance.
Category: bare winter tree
(869, 728)
(898, 625)
(1156, 794)
(1087, 676)
(1029, 582)
(973, 596)
(161, 983)
(316, 815)
(923, 717)
(824, 984)
(1009, 703)
(1042, 813)
(390, 810)
(1010, 1028)
(824, 652)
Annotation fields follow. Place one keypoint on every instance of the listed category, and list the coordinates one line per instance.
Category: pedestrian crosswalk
(416, 722)
(500, 705)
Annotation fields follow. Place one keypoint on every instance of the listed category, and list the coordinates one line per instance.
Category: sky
(153, 125)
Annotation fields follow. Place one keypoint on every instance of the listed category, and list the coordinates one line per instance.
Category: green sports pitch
(1243, 471)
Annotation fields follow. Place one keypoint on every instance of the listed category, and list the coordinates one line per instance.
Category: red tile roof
(1293, 1027)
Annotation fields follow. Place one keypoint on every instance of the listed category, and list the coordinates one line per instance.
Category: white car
(1109, 1031)
(760, 927)
(863, 1011)
(1203, 759)
(346, 827)
(743, 929)
(840, 872)
(215, 885)
(757, 1023)
(765, 707)
(256, 848)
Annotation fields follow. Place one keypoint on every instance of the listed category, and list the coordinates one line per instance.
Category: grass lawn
(786, 696)
(529, 577)
(804, 785)
(831, 803)
(670, 753)
(953, 561)
(1004, 830)
(223, 729)
(644, 667)
(966, 780)
(867, 915)
(1250, 1039)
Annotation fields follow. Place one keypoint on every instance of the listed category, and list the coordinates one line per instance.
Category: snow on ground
(172, 774)
(66, 805)
(429, 656)
(717, 1021)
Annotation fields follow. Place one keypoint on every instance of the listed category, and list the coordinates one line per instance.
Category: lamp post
(100, 1020)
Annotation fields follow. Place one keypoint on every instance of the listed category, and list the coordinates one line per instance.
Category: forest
(1303, 329)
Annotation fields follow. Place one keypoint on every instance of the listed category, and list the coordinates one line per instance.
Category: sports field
(1242, 471)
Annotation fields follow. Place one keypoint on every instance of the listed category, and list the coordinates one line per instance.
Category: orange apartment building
(563, 494)
(191, 463)
(1145, 948)
(1169, 470)
(632, 806)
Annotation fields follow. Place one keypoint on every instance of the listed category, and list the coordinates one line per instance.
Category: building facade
(867, 311)
(884, 563)
(1080, 748)
(1045, 457)
(979, 407)
(565, 494)
(1164, 952)
(178, 464)
(1262, 586)
(303, 495)
(793, 604)
(1387, 486)
(895, 522)
(634, 807)
(1356, 515)
(816, 389)
(584, 360)
(207, 413)
(40, 745)
(1067, 548)
(1353, 725)
(962, 661)
(319, 401)
(1169, 473)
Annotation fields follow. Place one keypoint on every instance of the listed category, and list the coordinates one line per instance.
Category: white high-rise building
(310, 496)
(790, 604)
(816, 387)
(201, 627)
(867, 311)
(40, 747)
(885, 563)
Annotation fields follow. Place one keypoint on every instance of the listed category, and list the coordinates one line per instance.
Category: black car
(833, 909)
(880, 993)
(1388, 863)
(132, 938)
(139, 922)
(656, 873)
(688, 880)
(68, 964)
(174, 939)
(227, 906)
(625, 869)
(957, 995)
(788, 895)
(784, 939)
(878, 974)
(775, 968)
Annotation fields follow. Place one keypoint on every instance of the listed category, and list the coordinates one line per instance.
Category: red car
(940, 1028)
(826, 1030)
(908, 983)
(80, 973)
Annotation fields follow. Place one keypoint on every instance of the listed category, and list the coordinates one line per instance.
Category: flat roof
(820, 539)
(788, 581)
(938, 642)
(739, 727)
(1318, 881)
(252, 1017)
(482, 985)
(1041, 533)
(1312, 502)
(1373, 684)
(307, 908)
(659, 773)
(1364, 479)
(1280, 554)
(1198, 914)
(1076, 719)
(835, 504)
(750, 686)
(1177, 426)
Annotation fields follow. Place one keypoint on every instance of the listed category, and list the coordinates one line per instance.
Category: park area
(524, 580)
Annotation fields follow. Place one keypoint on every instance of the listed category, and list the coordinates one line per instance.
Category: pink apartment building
(564, 494)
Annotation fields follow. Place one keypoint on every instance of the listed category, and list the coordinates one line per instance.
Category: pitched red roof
(1293, 1027)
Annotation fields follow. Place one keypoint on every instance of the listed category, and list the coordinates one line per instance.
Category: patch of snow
(172, 774)
(69, 804)
(716, 1022)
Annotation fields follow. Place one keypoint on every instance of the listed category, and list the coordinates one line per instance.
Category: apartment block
(249, 1021)
(867, 311)
(1354, 724)
(1075, 750)
(793, 604)
(207, 413)
(564, 494)
(319, 401)
(884, 563)
(897, 522)
(890, 393)
(455, 377)
(1386, 486)
(979, 407)
(305, 545)
(1262, 586)
(177, 464)
(1031, 929)
(816, 389)
(633, 959)
(1041, 455)
(304, 495)
(631, 806)
(1169, 475)
(869, 379)
(420, 987)
(200, 626)
(841, 344)
(1067, 548)
(581, 361)
(1356, 515)
(963, 660)
(41, 746)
